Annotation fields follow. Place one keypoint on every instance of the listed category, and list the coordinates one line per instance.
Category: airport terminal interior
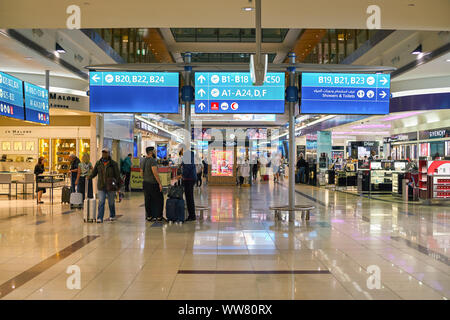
(233, 150)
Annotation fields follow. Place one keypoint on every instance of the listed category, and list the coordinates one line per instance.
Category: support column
(187, 104)
(47, 80)
(291, 141)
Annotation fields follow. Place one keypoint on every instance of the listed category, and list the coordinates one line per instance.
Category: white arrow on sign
(384, 80)
(201, 78)
(95, 77)
(383, 94)
(202, 106)
(201, 92)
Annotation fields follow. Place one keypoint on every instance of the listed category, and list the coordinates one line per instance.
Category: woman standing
(84, 169)
(38, 170)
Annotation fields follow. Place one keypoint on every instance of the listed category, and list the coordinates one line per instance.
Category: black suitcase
(175, 210)
(65, 195)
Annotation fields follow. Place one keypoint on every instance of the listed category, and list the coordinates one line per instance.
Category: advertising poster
(136, 180)
(222, 163)
(161, 151)
(324, 144)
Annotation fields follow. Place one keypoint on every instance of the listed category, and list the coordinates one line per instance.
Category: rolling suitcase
(175, 210)
(90, 210)
(65, 195)
(76, 200)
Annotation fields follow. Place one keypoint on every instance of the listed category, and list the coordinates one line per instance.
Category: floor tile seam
(176, 275)
(421, 259)
(384, 284)
(96, 276)
(336, 278)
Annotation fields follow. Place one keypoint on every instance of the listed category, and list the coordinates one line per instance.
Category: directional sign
(134, 92)
(345, 93)
(36, 104)
(11, 97)
(233, 92)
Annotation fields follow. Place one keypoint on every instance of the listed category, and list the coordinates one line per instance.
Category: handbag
(176, 192)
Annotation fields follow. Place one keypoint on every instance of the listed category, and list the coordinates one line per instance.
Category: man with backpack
(153, 196)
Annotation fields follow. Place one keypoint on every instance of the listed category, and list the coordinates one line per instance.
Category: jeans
(189, 194)
(81, 188)
(73, 178)
(102, 194)
(301, 173)
(154, 200)
(127, 181)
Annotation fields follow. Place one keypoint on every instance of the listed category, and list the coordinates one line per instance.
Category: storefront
(23, 143)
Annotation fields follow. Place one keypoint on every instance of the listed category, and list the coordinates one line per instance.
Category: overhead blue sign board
(233, 92)
(345, 93)
(134, 92)
(36, 104)
(11, 97)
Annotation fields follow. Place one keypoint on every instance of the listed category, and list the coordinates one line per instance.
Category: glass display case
(61, 149)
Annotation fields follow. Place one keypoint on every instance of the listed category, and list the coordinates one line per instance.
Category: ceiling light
(448, 60)
(59, 49)
(248, 9)
(28, 58)
(417, 50)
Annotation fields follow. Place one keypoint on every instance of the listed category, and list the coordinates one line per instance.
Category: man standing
(301, 167)
(74, 161)
(153, 197)
(108, 183)
(126, 170)
(189, 175)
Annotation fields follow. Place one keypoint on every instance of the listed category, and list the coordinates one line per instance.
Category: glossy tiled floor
(134, 259)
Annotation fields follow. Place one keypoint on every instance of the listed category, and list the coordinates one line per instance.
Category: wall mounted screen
(233, 92)
(344, 93)
(36, 104)
(134, 92)
(11, 97)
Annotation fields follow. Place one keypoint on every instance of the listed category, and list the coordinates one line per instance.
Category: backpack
(189, 171)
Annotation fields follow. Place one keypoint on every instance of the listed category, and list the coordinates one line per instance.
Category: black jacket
(110, 171)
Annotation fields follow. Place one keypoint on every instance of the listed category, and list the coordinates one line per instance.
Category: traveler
(199, 169)
(255, 170)
(84, 169)
(74, 162)
(108, 183)
(125, 168)
(276, 163)
(244, 171)
(301, 167)
(189, 175)
(39, 169)
(153, 196)
(205, 169)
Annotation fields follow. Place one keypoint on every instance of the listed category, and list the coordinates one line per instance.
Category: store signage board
(345, 93)
(11, 97)
(36, 104)
(233, 92)
(134, 92)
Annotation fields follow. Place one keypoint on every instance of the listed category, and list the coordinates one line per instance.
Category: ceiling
(16, 58)
(437, 67)
(394, 123)
(350, 14)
